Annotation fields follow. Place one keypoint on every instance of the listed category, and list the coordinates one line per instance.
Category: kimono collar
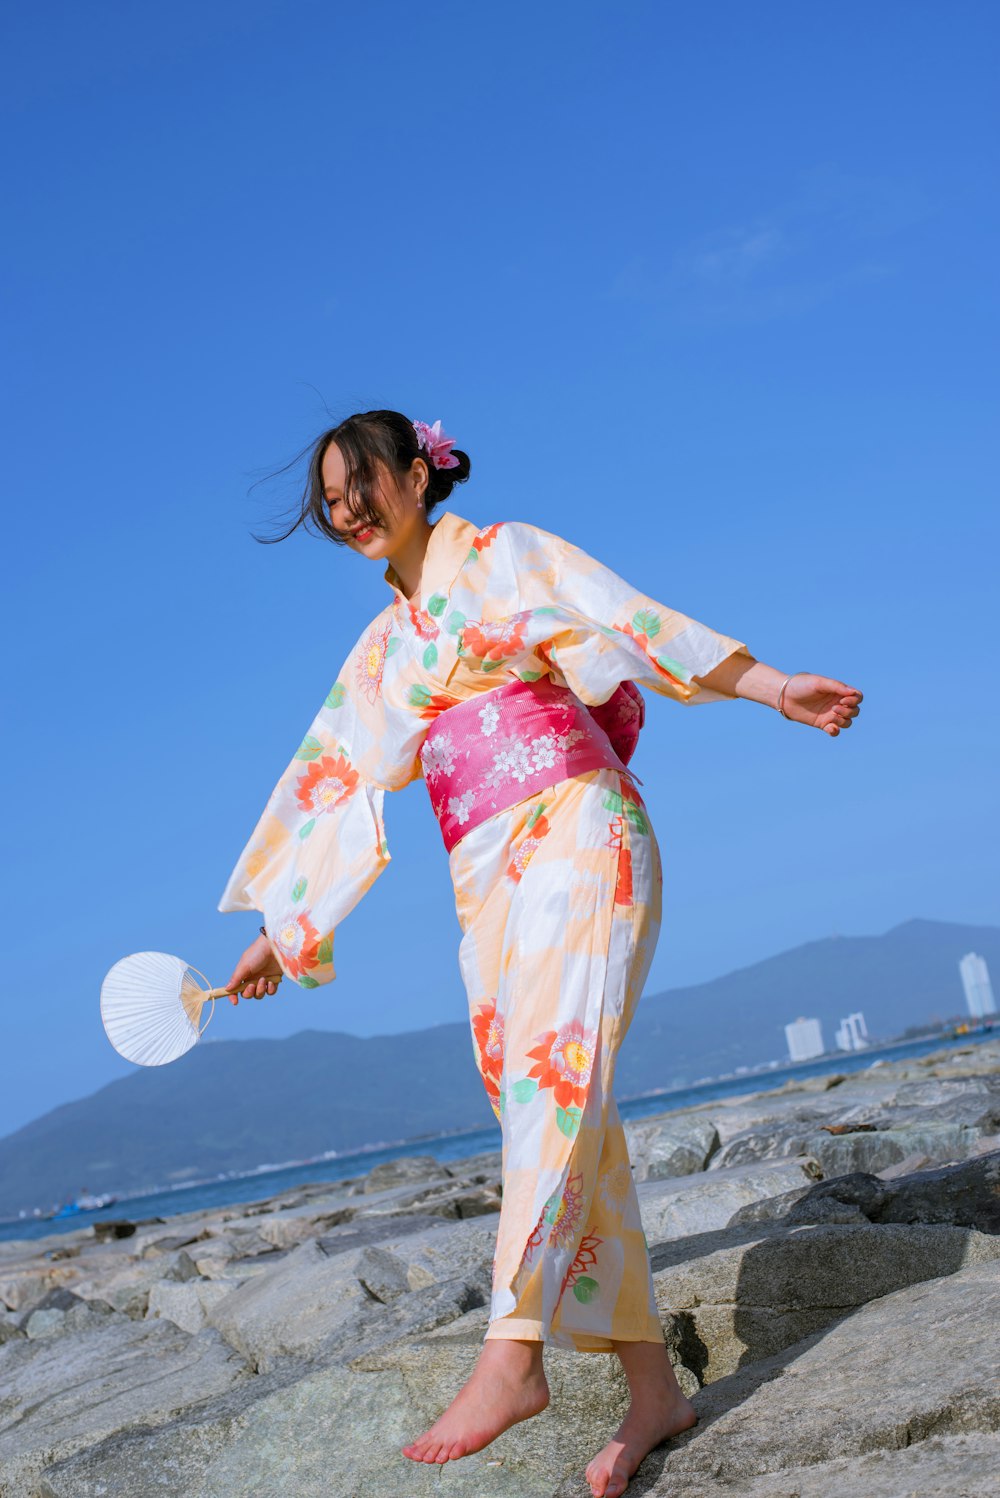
(448, 547)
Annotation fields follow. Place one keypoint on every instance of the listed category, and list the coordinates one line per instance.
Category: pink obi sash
(487, 753)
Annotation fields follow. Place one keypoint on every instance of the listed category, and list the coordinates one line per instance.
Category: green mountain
(233, 1105)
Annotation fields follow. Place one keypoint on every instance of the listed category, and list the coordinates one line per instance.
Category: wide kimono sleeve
(597, 630)
(320, 843)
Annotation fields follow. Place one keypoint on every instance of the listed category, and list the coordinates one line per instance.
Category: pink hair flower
(436, 444)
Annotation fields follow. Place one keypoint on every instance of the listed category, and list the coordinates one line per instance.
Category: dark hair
(370, 442)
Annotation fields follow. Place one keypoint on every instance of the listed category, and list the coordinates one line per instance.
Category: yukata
(558, 895)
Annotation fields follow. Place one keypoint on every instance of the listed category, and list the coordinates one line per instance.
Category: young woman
(503, 671)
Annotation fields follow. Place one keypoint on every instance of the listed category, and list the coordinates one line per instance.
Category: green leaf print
(472, 557)
(308, 982)
(538, 812)
(437, 604)
(545, 608)
(645, 622)
(430, 656)
(586, 1289)
(524, 1091)
(674, 667)
(310, 748)
(493, 665)
(635, 816)
(336, 695)
(613, 801)
(568, 1121)
(531, 675)
(305, 831)
(392, 646)
(503, 1102)
(418, 696)
(455, 622)
(325, 954)
(299, 889)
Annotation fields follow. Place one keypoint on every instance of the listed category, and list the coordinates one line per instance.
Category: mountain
(233, 1105)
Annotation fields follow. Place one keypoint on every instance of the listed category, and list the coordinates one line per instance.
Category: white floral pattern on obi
(511, 761)
(460, 806)
(438, 756)
(489, 717)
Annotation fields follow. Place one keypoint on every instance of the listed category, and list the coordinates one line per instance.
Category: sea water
(271, 1180)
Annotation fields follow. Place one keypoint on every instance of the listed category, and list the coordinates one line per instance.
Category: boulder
(404, 1171)
(187, 1303)
(667, 1147)
(740, 1296)
(63, 1394)
(699, 1203)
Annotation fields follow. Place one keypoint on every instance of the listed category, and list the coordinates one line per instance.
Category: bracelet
(781, 696)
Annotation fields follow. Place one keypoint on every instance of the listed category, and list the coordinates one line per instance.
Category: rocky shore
(827, 1268)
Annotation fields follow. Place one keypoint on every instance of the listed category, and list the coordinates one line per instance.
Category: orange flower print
(527, 849)
(483, 542)
(297, 940)
(493, 642)
(487, 1026)
(425, 625)
(565, 1215)
(623, 884)
(429, 705)
(564, 1059)
(646, 644)
(325, 784)
(370, 661)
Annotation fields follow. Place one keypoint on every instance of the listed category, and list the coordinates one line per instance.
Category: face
(402, 516)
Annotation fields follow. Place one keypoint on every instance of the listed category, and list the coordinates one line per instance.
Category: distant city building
(977, 985)
(805, 1039)
(853, 1033)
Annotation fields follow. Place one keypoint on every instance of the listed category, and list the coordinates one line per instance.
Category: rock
(460, 1250)
(382, 1274)
(966, 1195)
(293, 1308)
(920, 1357)
(104, 1232)
(187, 1303)
(662, 1149)
(739, 1296)
(401, 1172)
(65, 1394)
(154, 1248)
(699, 1203)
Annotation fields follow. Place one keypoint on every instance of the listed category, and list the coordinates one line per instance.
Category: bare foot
(507, 1385)
(645, 1426)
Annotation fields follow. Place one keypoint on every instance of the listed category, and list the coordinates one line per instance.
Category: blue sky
(708, 289)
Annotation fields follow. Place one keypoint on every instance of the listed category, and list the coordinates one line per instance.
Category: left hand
(821, 702)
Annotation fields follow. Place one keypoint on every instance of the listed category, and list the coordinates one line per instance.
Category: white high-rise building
(805, 1039)
(977, 985)
(853, 1033)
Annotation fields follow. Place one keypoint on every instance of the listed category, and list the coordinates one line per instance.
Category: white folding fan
(151, 1005)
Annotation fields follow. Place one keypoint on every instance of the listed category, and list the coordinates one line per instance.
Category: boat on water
(83, 1203)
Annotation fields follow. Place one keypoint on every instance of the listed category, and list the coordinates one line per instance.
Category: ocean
(269, 1180)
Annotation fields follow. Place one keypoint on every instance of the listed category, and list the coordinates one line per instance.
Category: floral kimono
(558, 896)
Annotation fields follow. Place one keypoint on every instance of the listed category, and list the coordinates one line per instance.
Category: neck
(408, 559)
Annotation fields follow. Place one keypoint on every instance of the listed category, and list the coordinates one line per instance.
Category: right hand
(258, 972)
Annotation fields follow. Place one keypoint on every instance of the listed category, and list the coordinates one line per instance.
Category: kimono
(558, 897)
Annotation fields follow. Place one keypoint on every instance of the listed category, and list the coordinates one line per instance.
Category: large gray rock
(917, 1363)
(404, 1171)
(700, 1203)
(674, 1145)
(188, 1303)
(738, 1296)
(63, 1394)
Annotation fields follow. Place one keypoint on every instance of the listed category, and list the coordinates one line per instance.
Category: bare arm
(820, 701)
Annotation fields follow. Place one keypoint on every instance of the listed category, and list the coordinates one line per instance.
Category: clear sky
(709, 289)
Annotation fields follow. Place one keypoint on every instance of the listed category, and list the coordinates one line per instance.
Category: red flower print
(298, 942)
(586, 1258)
(325, 784)
(493, 641)
(564, 1059)
(527, 848)
(644, 642)
(623, 885)
(370, 661)
(483, 542)
(487, 1027)
(425, 625)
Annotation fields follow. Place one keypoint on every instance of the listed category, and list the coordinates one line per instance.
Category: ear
(420, 476)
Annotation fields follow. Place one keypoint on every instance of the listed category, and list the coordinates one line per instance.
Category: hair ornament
(436, 444)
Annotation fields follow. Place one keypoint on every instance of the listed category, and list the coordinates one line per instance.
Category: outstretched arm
(819, 701)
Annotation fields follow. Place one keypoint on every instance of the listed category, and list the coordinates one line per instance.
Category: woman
(502, 671)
